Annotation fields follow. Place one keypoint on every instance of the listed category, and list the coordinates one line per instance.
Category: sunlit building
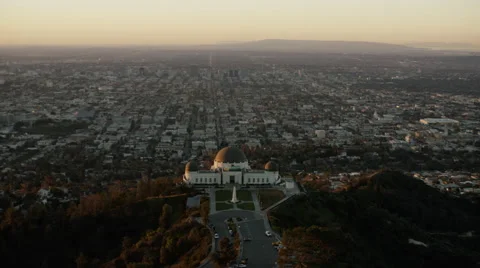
(231, 167)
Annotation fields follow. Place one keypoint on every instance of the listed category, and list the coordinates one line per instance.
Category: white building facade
(231, 167)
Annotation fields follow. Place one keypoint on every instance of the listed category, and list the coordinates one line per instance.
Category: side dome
(191, 166)
(230, 155)
(271, 166)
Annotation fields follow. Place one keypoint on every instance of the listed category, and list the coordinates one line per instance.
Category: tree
(11, 217)
(217, 260)
(166, 217)
(142, 189)
(165, 256)
(194, 235)
(205, 211)
(81, 261)
(149, 257)
(225, 254)
(127, 243)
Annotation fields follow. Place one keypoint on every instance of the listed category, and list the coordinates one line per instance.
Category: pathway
(278, 203)
(256, 203)
(212, 201)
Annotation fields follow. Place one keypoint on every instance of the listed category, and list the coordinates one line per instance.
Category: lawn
(244, 195)
(223, 206)
(268, 197)
(223, 195)
(246, 206)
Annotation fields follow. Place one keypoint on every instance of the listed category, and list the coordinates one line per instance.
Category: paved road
(259, 251)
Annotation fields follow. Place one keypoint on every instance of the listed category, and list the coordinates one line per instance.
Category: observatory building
(231, 167)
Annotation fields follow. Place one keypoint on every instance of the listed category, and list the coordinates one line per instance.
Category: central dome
(271, 166)
(230, 155)
(191, 166)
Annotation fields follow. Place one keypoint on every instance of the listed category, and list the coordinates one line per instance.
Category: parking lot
(259, 250)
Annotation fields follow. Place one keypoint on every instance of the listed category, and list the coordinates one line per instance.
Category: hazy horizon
(188, 22)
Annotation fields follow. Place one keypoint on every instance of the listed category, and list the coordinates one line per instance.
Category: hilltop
(386, 219)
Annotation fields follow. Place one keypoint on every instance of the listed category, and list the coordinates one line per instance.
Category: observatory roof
(230, 155)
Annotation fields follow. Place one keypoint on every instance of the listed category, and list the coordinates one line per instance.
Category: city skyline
(54, 22)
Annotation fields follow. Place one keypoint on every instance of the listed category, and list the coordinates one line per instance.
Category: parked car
(217, 236)
(268, 233)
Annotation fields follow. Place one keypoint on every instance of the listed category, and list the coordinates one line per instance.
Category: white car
(217, 236)
(268, 233)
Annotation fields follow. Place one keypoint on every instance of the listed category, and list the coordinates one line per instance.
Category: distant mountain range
(318, 46)
(267, 45)
(446, 46)
(283, 45)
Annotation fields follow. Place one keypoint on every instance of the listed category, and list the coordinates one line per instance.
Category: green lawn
(244, 195)
(223, 206)
(223, 195)
(268, 197)
(246, 206)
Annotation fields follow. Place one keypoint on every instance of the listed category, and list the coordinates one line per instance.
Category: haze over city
(145, 22)
(239, 134)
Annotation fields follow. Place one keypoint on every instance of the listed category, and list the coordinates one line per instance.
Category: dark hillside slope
(376, 223)
(423, 205)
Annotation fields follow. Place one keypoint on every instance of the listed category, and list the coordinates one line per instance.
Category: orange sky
(211, 21)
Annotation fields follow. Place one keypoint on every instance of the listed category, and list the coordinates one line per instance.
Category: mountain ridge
(264, 45)
(332, 46)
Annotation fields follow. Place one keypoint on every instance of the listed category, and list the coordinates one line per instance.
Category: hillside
(148, 226)
(383, 220)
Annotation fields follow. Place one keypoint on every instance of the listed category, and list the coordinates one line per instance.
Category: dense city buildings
(121, 118)
(305, 139)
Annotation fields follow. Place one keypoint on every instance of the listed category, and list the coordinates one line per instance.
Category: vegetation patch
(268, 197)
(223, 206)
(223, 195)
(185, 244)
(376, 218)
(232, 226)
(104, 227)
(246, 206)
(225, 254)
(244, 195)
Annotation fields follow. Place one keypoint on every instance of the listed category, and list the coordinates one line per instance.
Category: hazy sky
(211, 21)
